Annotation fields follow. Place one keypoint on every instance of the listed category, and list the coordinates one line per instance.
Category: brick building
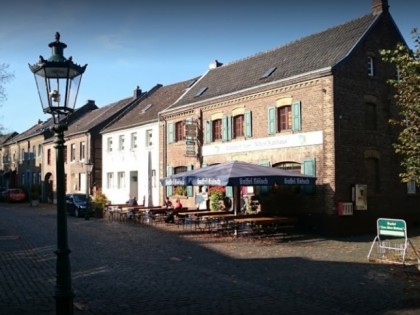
(320, 106)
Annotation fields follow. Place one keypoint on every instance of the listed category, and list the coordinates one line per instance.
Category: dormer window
(370, 66)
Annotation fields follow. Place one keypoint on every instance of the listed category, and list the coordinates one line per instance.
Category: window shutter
(296, 116)
(190, 188)
(208, 126)
(229, 128)
(224, 129)
(169, 189)
(271, 120)
(309, 168)
(248, 124)
(229, 191)
(171, 134)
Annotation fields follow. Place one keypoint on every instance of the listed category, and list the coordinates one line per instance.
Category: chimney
(215, 64)
(379, 6)
(137, 92)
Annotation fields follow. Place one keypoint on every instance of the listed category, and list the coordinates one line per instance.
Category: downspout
(164, 158)
(91, 158)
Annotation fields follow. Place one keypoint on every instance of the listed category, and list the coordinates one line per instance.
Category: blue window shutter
(229, 191)
(225, 128)
(229, 128)
(296, 116)
(207, 125)
(169, 189)
(271, 120)
(248, 124)
(190, 188)
(171, 134)
(309, 168)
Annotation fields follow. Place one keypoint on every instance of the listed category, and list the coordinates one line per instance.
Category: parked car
(14, 195)
(78, 205)
(2, 190)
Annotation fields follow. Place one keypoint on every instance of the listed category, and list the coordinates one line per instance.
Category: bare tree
(5, 77)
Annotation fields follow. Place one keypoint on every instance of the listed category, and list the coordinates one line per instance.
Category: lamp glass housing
(57, 80)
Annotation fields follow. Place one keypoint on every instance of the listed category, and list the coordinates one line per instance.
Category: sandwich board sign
(392, 237)
(392, 227)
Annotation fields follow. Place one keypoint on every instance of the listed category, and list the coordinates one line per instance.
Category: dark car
(78, 205)
(2, 190)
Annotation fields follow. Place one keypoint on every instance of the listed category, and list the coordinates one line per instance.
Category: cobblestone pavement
(127, 268)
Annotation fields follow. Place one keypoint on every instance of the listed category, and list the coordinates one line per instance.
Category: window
(238, 126)
(217, 129)
(370, 117)
(33, 152)
(200, 91)
(133, 140)
(149, 138)
(179, 131)
(121, 180)
(370, 66)
(39, 150)
(82, 150)
(289, 166)
(411, 188)
(22, 158)
(73, 152)
(267, 73)
(121, 140)
(180, 190)
(65, 154)
(284, 116)
(109, 180)
(109, 144)
(49, 156)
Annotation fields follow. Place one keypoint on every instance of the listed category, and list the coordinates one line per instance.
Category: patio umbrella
(237, 173)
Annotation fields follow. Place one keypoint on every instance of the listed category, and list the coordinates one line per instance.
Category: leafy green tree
(407, 97)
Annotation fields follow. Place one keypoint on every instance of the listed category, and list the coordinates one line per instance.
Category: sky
(130, 43)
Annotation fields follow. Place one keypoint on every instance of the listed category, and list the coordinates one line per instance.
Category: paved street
(126, 268)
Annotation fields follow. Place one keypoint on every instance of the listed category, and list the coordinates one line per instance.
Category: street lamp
(89, 168)
(57, 80)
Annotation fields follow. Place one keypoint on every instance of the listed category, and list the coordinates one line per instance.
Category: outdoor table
(261, 225)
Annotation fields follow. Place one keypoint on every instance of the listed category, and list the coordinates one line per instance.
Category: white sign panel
(267, 143)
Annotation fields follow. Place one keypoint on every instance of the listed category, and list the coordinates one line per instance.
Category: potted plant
(216, 194)
(99, 203)
(181, 191)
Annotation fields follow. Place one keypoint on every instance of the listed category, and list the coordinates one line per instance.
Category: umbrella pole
(236, 199)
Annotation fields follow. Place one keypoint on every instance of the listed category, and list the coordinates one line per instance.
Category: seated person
(131, 202)
(170, 217)
(168, 203)
(178, 204)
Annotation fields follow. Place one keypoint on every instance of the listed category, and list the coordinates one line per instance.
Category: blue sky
(128, 43)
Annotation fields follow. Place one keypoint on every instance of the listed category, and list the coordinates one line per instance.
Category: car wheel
(76, 212)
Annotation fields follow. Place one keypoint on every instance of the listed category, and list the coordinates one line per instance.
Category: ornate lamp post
(57, 80)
